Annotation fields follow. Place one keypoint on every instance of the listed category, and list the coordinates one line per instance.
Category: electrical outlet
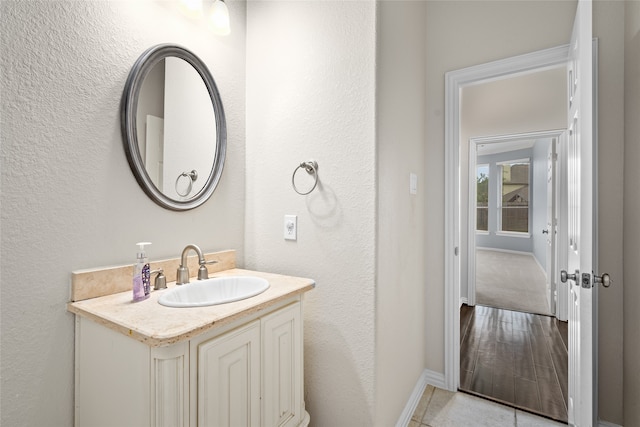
(290, 227)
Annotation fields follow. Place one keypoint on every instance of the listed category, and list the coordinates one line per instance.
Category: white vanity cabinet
(245, 373)
(251, 376)
(227, 379)
(282, 368)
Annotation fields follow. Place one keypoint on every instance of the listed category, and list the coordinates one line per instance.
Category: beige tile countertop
(157, 326)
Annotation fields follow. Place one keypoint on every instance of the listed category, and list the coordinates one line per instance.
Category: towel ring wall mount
(311, 167)
(192, 177)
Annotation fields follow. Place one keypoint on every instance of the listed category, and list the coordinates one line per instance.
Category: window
(482, 198)
(513, 209)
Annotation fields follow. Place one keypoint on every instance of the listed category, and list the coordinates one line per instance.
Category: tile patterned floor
(440, 408)
(515, 358)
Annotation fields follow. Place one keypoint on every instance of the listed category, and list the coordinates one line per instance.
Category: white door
(581, 407)
(551, 230)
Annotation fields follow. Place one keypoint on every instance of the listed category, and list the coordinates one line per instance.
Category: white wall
(330, 83)
(69, 199)
(401, 297)
(311, 95)
(631, 213)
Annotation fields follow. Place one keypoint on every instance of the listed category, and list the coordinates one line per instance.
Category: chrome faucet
(182, 275)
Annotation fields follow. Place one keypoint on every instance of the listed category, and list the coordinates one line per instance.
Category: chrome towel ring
(193, 175)
(312, 169)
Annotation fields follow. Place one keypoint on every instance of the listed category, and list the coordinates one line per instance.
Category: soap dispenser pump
(141, 274)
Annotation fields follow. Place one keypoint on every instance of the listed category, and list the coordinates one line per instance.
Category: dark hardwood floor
(516, 358)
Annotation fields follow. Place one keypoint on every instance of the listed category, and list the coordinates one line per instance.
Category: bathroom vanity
(234, 364)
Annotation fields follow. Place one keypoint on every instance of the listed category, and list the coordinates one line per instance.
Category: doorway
(512, 348)
(579, 57)
(521, 65)
(515, 214)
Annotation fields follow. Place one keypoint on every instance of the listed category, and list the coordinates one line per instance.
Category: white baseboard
(539, 265)
(506, 251)
(607, 424)
(436, 379)
(414, 399)
(427, 377)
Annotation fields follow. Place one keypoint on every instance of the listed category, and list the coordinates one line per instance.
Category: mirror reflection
(176, 128)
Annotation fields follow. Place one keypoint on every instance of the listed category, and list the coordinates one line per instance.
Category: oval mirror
(173, 127)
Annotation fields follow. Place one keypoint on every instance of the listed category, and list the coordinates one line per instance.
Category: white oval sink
(219, 290)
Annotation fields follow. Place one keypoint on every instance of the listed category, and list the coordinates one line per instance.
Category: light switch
(291, 227)
(413, 183)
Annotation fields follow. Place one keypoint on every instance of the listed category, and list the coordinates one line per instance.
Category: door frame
(454, 82)
(559, 135)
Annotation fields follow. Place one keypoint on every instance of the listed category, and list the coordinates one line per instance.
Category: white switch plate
(291, 227)
(413, 183)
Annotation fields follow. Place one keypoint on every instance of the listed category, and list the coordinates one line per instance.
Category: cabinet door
(282, 368)
(170, 386)
(229, 379)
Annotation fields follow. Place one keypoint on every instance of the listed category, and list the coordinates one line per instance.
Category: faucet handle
(182, 275)
(203, 273)
(161, 281)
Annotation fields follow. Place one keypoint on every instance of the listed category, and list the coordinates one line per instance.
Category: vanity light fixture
(218, 14)
(191, 8)
(220, 18)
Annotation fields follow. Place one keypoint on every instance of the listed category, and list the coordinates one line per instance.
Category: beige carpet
(511, 281)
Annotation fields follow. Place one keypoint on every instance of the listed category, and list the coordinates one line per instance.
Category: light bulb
(191, 7)
(220, 18)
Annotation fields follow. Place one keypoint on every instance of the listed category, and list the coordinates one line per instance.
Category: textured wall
(311, 95)
(631, 214)
(69, 199)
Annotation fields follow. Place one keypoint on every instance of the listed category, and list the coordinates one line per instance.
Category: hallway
(514, 357)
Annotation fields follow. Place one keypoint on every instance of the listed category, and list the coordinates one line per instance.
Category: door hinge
(455, 251)
(586, 280)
